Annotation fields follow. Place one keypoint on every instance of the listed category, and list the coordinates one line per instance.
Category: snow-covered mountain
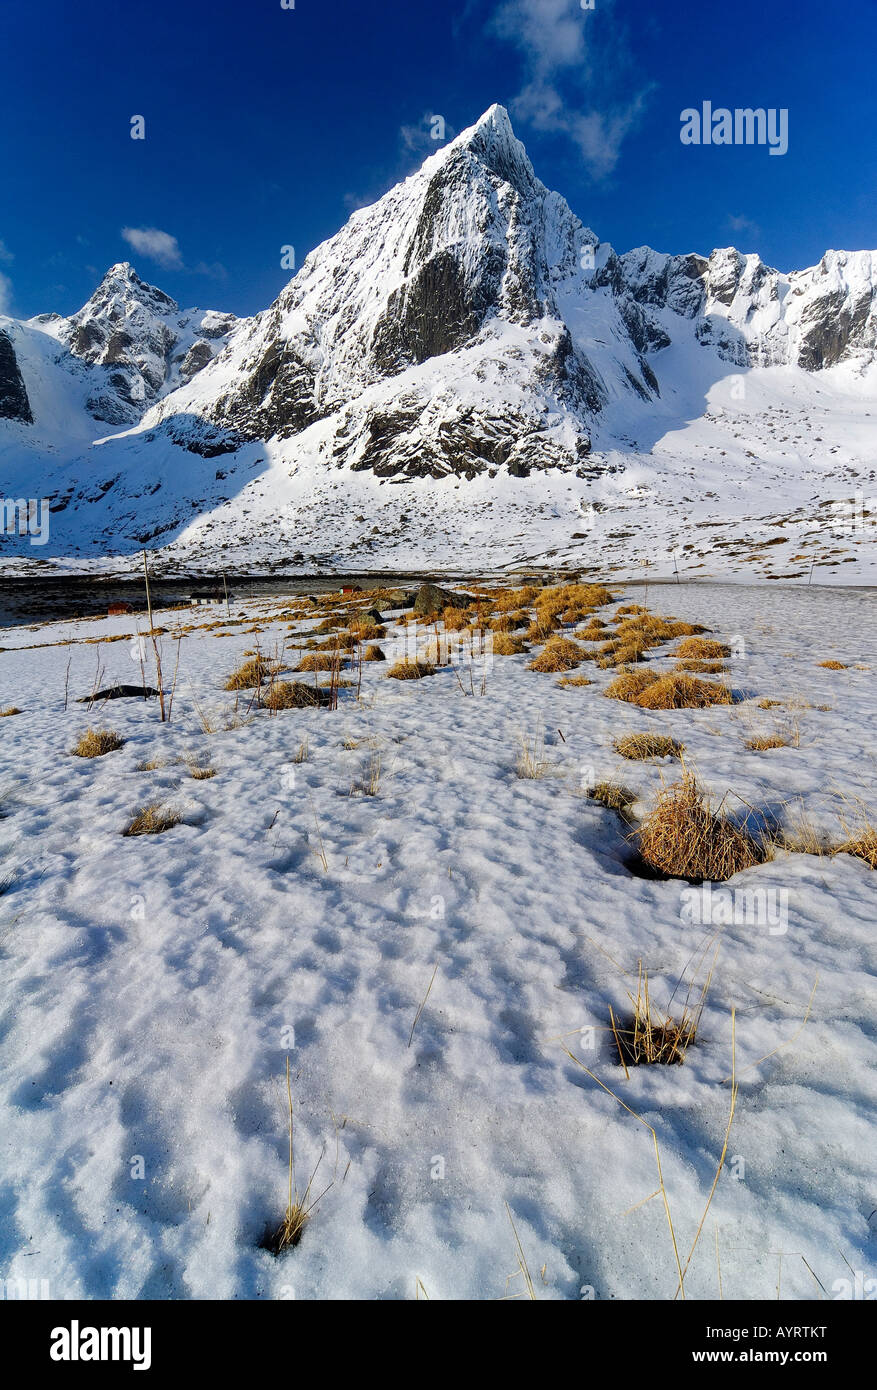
(469, 338)
(103, 366)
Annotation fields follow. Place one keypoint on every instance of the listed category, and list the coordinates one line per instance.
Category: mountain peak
(493, 141)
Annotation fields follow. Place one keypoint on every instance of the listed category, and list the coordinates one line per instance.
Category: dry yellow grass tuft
(641, 746)
(613, 796)
(594, 631)
(759, 743)
(573, 680)
(251, 673)
(294, 695)
(677, 691)
(621, 653)
(645, 1039)
(558, 654)
(366, 630)
(674, 691)
(682, 838)
(768, 704)
(95, 742)
(373, 653)
(504, 644)
(701, 667)
(201, 774)
(630, 685)
(541, 628)
(833, 665)
(702, 647)
(508, 622)
(10, 709)
(152, 820)
(406, 670)
(863, 846)
(320, 661)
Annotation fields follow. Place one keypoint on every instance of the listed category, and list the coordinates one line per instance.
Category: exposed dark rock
(14, 403)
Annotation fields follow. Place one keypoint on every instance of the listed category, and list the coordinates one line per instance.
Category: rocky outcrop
(14, 403)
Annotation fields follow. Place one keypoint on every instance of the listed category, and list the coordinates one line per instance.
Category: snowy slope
(465, 372)
(151, 989)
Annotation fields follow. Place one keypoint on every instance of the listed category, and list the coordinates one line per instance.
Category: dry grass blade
(422, 1006)
(522, 1262)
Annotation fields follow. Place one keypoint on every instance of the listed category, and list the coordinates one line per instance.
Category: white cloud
(576, 61)
(158, 246)
(5, 294)
(215, 269)
(427, 135)
(742, 223)
(5, 254)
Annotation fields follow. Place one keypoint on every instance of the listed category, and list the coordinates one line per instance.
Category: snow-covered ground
(153, 987)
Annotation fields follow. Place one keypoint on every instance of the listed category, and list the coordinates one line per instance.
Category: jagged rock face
(14, 403)
(752, 315)
(142, 340)
(457, 271)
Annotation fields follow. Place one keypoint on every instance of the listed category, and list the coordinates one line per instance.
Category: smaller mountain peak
(122, 279)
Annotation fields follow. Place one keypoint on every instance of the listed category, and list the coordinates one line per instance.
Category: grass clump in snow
(558, 654)
(152, 820)
(200, 774)
(833, 665)
(702, 648)
(10, 709)
(298, 1205)
(407, 670)
(759, 743)
(702, 667)
(573, 680)
(373, 653)
(862, 845)
(674, 691)
(650, 1039)
(504, 644)
(252, 673)
(639, 747)
(367, 630)
(622, 653)
(682, 838)
(532, 762)
(613, 796)
(294, 695)
(319, 661)
(95, 742)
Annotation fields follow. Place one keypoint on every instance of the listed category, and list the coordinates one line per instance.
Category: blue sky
(266, 127)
